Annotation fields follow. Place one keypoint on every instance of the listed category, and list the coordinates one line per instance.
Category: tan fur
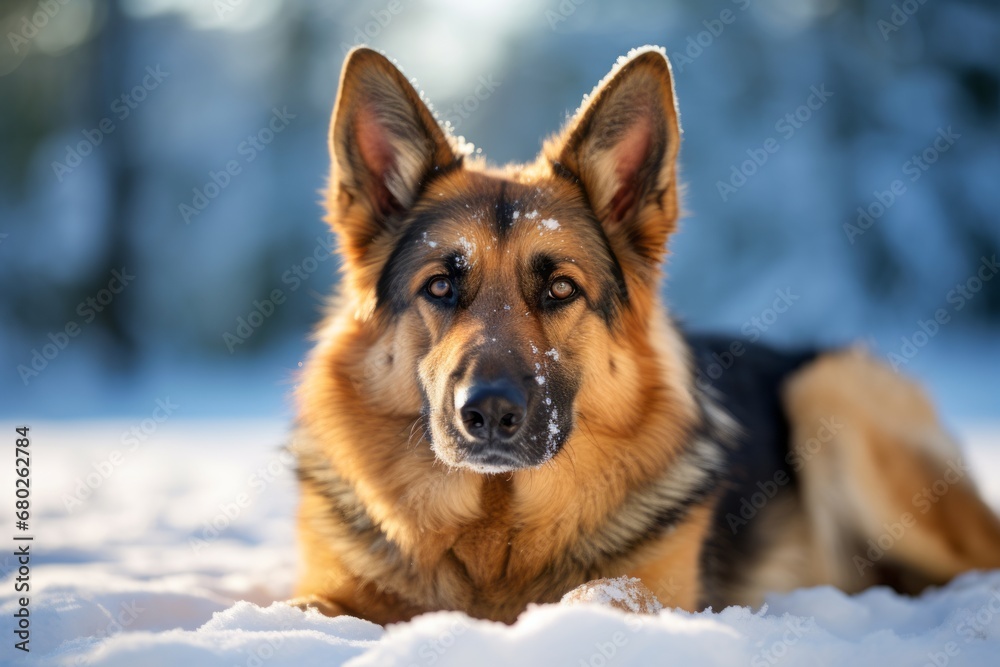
(670, 567)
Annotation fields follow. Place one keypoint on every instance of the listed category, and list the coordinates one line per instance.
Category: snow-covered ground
(173, 550)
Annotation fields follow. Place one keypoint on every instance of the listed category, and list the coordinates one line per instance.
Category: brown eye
(439, 287)
(562, 289)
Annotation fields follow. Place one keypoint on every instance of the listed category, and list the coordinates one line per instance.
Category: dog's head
(501, 298)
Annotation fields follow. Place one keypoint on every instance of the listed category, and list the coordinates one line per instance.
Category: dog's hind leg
(885, 491)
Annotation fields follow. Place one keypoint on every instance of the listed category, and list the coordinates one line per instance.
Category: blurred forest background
(182, 144)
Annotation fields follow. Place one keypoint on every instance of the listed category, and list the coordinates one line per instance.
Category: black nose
(493, 410)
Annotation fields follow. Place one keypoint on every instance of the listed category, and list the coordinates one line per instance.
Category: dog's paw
(322, 605)
(627, 594)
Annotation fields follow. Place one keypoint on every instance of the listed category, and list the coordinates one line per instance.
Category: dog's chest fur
(484, 548)
(495, 564)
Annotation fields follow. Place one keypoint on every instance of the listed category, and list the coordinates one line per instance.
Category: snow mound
(957, 625)
(624, 593)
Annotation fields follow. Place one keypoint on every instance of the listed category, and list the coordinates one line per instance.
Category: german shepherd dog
(499, 409)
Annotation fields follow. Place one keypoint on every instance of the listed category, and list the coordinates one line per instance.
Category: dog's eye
(439, 287)
(562, 288)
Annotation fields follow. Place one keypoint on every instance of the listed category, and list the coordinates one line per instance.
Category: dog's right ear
(622, 146)
(384, 142)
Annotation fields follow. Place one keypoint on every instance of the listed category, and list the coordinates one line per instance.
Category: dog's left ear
(622, 145)
(384, 143)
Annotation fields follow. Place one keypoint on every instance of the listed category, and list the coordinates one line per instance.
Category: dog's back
(838, 474)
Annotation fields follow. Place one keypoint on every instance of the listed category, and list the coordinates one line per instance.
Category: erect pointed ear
(622, 145)
(384, 142)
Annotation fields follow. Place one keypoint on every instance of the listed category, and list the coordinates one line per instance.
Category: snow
(181, 553)
(550, 224)
(553, 425)
(469, 247)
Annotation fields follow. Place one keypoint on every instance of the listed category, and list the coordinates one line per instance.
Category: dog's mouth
(486, 460)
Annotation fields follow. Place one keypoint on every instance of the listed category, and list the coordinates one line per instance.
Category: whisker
(419, 421)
